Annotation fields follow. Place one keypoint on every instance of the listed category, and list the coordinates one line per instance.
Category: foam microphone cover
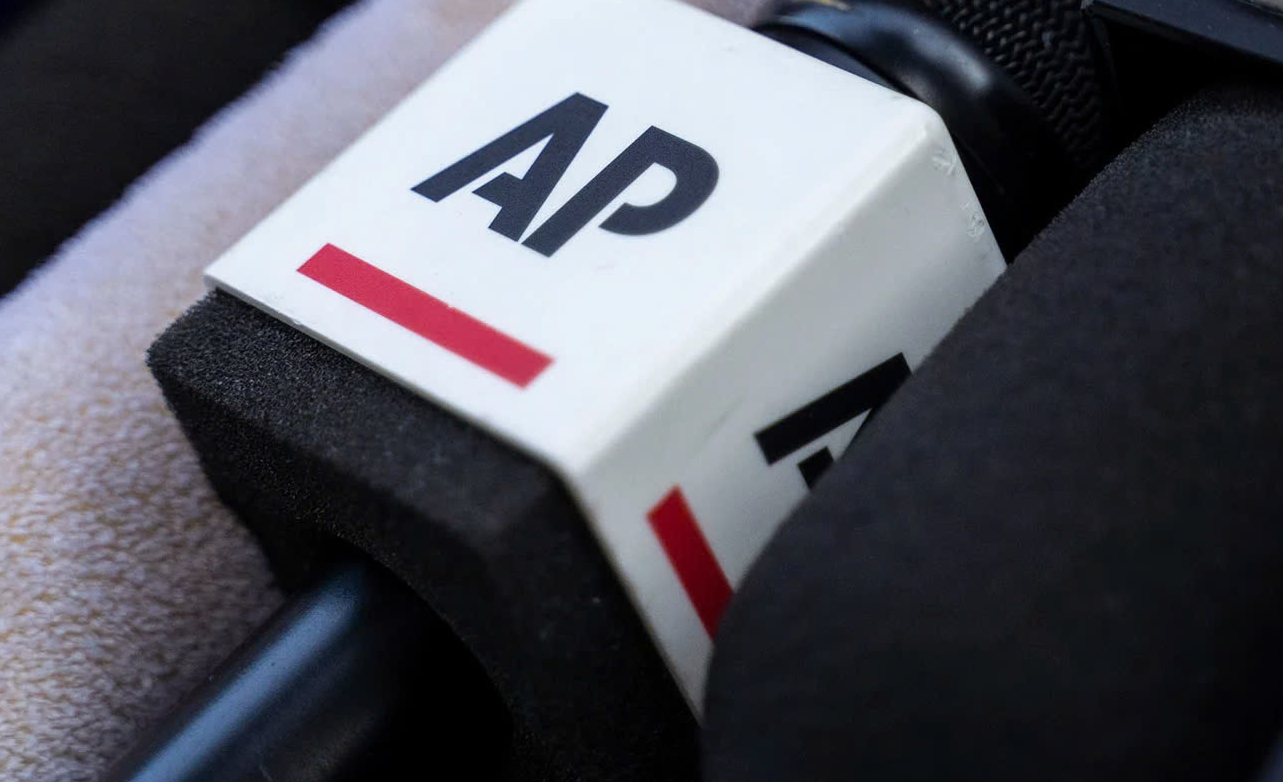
(1057, 552)
(307, 445)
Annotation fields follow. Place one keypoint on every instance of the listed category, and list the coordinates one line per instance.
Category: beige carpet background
(122, 580)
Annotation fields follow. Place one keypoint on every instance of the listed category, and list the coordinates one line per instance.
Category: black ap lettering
(793, 432)
(567, 126)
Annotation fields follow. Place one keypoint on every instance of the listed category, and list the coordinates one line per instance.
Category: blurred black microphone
(1057, 553)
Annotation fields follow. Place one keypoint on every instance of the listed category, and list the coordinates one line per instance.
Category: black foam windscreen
(306, 445)
(1057, 552)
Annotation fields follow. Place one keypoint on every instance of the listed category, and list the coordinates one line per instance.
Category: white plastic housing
(841, 233)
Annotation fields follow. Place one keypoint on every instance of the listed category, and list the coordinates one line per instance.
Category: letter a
(568, 123)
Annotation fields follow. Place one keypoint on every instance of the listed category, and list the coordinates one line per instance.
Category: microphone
(8, 9)
(560, 345)
(1056, 553)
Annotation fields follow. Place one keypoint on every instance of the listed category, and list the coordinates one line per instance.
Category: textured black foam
(1057, 553)
(1047, 47)
(304, 444)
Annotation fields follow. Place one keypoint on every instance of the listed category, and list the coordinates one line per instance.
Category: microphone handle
(343, 675)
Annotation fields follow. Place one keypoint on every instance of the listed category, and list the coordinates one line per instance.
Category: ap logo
(567, 126)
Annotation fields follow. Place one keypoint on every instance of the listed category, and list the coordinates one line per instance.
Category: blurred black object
(1057, 553)
(1274, 766)
(1230, 26)
(96, 92)
(1157, 52)
(9, 9)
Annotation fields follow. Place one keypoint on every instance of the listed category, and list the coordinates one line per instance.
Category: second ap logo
(566, 126)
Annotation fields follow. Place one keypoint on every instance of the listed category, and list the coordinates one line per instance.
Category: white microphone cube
(673, 260)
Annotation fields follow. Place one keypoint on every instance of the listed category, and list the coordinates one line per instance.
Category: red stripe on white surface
(426, 315)
(691, 557)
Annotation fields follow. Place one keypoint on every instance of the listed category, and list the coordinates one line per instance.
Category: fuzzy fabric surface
(122, 579)
(96, 93)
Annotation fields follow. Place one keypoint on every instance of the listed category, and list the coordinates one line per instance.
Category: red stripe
(427, 316)
(691, 557)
